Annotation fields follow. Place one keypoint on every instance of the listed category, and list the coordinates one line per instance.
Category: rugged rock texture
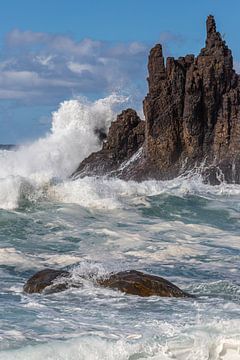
(131, 282)
(192, 116)
(137, 283)
(47, 278)
(193, 111)
(125, 137)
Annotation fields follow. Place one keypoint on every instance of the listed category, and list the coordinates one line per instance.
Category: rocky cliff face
(192, 114)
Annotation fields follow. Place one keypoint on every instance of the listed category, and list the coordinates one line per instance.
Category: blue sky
(54, 50)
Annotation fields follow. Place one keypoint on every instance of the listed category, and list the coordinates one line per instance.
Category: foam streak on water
(183, 230)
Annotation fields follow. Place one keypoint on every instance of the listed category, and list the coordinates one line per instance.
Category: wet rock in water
(130, 282)
(47, 279)
(137, 283)
(192, 113)
(125, 137)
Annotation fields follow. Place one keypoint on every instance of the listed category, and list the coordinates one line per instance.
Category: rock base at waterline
(192, 113)
(130, 282)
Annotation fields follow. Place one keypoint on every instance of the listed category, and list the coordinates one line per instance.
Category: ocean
(183, 230)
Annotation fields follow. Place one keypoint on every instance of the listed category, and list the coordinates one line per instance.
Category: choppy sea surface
(183, 230)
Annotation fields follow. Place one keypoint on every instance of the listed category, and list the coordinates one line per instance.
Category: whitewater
(182, 229)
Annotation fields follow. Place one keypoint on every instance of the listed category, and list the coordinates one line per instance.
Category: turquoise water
(182, 229)
(192, 240)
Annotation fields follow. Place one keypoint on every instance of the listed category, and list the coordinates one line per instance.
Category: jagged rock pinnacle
(157, 50)
(214, 38)
(192, 113)
(211, 25)
(156, 67)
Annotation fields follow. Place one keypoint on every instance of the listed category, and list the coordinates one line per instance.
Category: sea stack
(192, 120)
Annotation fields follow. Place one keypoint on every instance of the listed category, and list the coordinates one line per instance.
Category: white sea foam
(71, 139)
(202, 346)
(41, 169)
(106, 193)
(11, 257)
(99, 242)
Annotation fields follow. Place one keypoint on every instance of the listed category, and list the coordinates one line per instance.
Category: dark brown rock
(47, 279)
(191, 110)
(137, 283)
(125, 137)
(192, 113)
(131, 282)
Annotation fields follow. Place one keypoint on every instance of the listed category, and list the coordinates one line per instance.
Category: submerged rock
(130, 282)
(137, 283)
(47, 279)
(192, 113)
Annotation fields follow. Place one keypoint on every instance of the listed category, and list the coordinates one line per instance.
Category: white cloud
(45, 60)
(46, 68)
(168, 36)
(13, 94)
(7, 63)
(29, 79)
(17, 77)
(20, 38)
(64, 44)
(80, 68)
(58, 43)
(137, 48)
(127, 50)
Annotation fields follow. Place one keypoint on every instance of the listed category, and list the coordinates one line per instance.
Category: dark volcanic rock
(137, 283)
(192, 116)
(47, 278)
(125, 137)
(193, 112)
(131, 282)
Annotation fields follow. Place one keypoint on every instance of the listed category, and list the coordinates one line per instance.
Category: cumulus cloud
(38, 70)
(80, 68)
(45, 68)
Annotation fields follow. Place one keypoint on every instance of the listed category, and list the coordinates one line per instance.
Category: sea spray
(72, 138)
(41, 170)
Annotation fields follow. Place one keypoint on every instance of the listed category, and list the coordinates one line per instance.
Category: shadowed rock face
(192, 110)
(131, 282)
(125, 137)
(192, 113)
(44, 278)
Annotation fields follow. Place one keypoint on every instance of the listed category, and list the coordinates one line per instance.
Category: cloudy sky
(53, 50)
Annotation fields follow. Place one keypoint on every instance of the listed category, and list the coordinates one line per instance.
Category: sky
(56, 50)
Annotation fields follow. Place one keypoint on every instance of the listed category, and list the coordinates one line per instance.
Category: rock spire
(192, 113)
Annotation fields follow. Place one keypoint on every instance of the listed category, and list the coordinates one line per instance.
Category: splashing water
(182, 229)
(72, 138)
(40, 170)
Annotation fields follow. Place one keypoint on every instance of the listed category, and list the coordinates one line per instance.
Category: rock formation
(47, 278)
(131, 282)
(125, 137)
(192, 113)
